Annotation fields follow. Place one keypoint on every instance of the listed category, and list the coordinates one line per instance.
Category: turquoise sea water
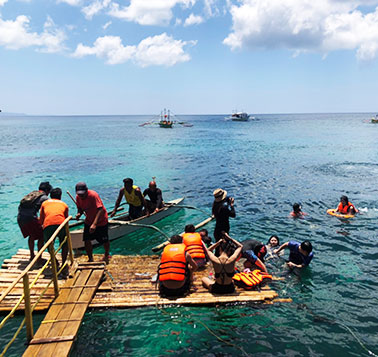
(267, 165)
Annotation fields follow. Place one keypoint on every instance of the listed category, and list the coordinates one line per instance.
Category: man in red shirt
(96, 220)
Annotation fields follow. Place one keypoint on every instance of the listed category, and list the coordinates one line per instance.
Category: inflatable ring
(333, 212)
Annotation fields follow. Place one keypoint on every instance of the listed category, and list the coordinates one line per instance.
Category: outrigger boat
(166, 120)
(121, 226)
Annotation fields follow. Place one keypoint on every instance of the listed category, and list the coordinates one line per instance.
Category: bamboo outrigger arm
(139, 225)
(199, 225)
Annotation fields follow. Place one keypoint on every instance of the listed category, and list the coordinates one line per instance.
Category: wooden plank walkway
(128, 285)
(12, 268)
(59, 328)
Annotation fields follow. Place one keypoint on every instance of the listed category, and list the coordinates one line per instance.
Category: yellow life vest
(132, 198)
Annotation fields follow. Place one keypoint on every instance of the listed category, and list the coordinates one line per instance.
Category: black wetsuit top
(156, 197)
(222, 212)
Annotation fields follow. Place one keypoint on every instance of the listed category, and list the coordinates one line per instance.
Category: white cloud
(94, 8)
(193, 20)
(305, 25)
(161, 50)
(148, 12)
(15, 35)
(70, 2)
(107, 25)
(211, 8)
(2, 2)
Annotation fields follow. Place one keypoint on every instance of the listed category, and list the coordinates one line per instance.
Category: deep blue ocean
(266, 165)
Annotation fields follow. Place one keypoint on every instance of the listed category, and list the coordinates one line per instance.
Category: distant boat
(374, 119)
(239, 116)
(165, 119)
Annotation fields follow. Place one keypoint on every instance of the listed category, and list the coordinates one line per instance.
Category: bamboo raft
(128, 285)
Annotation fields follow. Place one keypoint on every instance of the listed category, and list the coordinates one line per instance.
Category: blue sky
(192, 56)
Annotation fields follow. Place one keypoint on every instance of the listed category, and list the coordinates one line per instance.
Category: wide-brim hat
(219, 194)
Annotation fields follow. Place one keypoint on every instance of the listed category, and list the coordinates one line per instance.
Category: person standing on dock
(52, 215)
(223, 209)
(96, 220)
(155, 195)
(133, 197)
(27, 217)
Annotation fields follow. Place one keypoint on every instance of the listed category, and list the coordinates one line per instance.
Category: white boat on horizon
(238, 116)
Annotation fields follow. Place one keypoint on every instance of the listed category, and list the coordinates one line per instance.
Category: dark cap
(81, 188)
(45, 186)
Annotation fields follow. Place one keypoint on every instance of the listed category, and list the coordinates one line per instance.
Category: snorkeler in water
(297, 211)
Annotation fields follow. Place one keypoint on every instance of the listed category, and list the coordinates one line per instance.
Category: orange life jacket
(251, 280)
(173, 265)
(344, 209)
(193, 242)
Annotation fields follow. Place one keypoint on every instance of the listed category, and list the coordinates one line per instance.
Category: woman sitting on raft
(345, 207)
(224, 265)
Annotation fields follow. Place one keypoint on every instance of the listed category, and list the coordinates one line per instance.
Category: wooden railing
(29, 308)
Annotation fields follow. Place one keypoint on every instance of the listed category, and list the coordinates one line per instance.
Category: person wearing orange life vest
(133, 197)
(345, 207)
(194, 247)
(52, 215)
(175, 269)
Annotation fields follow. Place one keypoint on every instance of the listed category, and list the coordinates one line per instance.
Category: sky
(99, 57)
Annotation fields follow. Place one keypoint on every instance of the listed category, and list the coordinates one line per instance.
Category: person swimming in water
(300, 253)
(345, 207)
(297, 211)
(273, 243)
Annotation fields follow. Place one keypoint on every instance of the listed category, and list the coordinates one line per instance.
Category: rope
(325, 319)
(144, 226)
(207, 328)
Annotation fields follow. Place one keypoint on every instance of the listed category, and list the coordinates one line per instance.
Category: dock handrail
(29, 308)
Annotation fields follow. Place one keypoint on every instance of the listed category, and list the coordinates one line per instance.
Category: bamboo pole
(54, 269)
(69, 243)
(199, 225)
(28, 310)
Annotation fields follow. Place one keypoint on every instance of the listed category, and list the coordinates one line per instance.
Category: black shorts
(165, 292)
(222, 289)
(100, 234)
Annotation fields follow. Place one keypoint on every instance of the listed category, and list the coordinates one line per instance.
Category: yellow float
(332, 212)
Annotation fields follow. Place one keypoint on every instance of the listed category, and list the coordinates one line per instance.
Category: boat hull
(165, 125)
(117, 231)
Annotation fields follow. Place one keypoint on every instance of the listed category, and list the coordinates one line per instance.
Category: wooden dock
(59, 328)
